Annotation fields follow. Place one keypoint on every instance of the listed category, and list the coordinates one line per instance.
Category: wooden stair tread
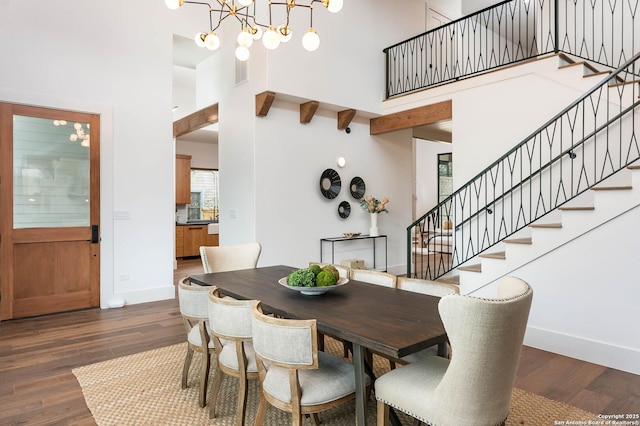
(471, 268)
(611, 188)
(581, 63)
(577, 208)
(545, 225)
(518, 241)
(455, 279)
(495, 255)
(633, 167)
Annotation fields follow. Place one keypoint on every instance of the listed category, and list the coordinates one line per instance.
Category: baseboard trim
(144, 295)
(601, 353)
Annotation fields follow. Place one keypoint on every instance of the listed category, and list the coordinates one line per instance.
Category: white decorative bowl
(312, 291)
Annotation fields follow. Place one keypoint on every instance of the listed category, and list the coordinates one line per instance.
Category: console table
(374, 240)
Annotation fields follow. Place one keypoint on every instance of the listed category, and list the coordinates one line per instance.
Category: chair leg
(315, 418)
(321, 342)
(187, 364)
(262, 411)
(215, 389)
(204, 379)
(383, 414)
(243, 390)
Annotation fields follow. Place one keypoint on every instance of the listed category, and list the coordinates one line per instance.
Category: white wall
(203, 155)
(99, 57)
(292, 215)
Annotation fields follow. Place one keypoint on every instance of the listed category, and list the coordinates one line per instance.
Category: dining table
(387, 321)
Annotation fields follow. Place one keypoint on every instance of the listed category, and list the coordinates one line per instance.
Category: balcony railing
(513, 31)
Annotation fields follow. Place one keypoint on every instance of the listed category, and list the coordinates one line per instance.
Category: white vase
(373, 231)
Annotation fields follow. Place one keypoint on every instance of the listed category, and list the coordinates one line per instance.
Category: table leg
(361, 391)
(442, 349)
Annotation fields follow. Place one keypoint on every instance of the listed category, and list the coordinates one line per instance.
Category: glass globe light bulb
(284, 32)
(199, 39)
(56, 122)
(64, 123)
(73, 137)
(270, 39)
(242, 53)
(173, 4)
(256, 32)
(245, 2)
(245, 39)
(334, 6)
(212, 41)
(77, 126)
(310, 40)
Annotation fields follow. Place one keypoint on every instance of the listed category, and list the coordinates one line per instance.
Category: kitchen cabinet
(189, 238)
(179, 241)
(183, 179)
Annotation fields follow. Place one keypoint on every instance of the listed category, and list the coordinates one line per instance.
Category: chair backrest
(432, 288)
(486, 338)
(374, 277)
(229, 318)
(342, 270)
(230, 258)
(193, 300)
(285, 342)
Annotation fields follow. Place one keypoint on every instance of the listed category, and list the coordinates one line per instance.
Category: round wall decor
(330, 184)
(344, 209)
(357, 187)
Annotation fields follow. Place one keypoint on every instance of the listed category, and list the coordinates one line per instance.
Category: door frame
(7, 237)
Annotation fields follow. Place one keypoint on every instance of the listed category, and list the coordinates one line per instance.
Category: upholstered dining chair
(431, 288)
(474, 387)
(193, 301)
(374, 277)
(230, 322)
(294, 376)
(230, 258)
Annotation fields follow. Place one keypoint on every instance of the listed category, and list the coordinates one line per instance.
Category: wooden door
(49, 211)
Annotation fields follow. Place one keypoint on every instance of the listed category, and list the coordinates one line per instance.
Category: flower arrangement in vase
(374, 206)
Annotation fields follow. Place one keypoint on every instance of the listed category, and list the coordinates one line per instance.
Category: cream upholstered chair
(342, 270)
(374, 277)
(230, 258)
(230, 322)
(294, 376)
(193, 301)
(432, 288)
(474, 387)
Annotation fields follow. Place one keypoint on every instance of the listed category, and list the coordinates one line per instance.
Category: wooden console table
(374, 239)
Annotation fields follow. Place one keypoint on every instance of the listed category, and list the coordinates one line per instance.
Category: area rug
(144, 389)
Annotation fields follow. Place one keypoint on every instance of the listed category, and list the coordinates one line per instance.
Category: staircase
(560, 208)
(616, 196)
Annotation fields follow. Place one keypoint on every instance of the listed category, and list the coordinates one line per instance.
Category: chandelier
(258, 19)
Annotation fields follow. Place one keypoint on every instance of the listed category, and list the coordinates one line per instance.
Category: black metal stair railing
(509, 32)
(585, 143)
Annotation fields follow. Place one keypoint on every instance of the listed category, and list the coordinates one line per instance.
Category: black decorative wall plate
(357, 187)
(330, 184)
(344, 209)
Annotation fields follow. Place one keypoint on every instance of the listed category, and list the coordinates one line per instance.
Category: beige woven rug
(144, 389)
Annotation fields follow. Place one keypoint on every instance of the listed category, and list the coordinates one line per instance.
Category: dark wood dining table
(390, 322)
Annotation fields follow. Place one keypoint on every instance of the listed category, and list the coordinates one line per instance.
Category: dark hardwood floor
(37, 355)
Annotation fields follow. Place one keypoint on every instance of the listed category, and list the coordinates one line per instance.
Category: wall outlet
(123, 277)
(233, 213)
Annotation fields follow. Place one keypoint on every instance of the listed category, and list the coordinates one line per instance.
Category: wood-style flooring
(37, 355)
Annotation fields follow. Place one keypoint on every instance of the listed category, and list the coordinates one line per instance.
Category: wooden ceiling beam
(408, 119)
(264, 101)
(345, 117)
(196, 120)
(307, 111)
